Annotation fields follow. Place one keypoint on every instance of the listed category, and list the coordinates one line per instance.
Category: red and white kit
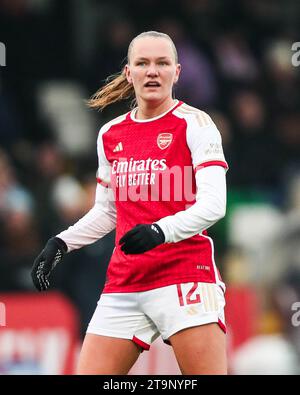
(169, 170)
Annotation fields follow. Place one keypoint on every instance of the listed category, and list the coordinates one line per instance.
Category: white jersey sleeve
(204, 141)
(101, 219)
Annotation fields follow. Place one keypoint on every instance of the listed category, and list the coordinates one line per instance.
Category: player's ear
(128, 74)
(177, 73)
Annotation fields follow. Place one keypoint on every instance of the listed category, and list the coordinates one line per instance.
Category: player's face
(152, 69)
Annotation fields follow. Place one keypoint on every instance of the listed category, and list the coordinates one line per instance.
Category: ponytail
(116, 88)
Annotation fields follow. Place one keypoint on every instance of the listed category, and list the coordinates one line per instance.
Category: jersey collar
(133, 112)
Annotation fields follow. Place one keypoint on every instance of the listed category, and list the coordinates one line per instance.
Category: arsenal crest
(164, 140)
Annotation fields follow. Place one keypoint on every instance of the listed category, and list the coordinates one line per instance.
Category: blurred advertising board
(38, 334)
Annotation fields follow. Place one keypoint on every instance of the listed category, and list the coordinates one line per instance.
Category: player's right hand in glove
(53, 252)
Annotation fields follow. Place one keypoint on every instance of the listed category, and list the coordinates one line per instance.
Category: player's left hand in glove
(142, 238)
(46, 261)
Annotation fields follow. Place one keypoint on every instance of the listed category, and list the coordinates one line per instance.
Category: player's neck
(152, 110)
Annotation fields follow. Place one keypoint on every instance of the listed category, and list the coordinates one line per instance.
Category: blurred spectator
(10, 128)
(288, 136)
(236, 62)
(197, 83)
(18, 232)
(68, 199)
(282, 76)
(202, 18)
(109, 54)
(257, 152)
(47, 165)
(13, 196)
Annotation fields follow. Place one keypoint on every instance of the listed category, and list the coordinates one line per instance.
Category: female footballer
(161, 183)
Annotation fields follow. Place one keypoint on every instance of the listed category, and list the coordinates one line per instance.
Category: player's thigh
(107, 355)
(200, 349)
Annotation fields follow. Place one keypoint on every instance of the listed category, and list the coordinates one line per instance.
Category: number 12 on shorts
(191, 297)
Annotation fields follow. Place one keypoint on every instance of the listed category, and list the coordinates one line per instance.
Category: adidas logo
(118, 147)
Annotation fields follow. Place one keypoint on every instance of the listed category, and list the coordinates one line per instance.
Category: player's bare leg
(200, 350)
(107, 355)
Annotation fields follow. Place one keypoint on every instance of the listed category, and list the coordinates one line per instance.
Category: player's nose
(152, 70)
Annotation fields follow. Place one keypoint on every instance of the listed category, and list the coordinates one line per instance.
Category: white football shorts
(143, 316)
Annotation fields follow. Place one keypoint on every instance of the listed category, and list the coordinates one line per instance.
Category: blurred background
(237, 65)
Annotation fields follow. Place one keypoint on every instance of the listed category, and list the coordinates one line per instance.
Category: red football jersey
(150, 165)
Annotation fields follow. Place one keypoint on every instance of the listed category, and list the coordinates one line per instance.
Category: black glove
(47, 260)
(142, 238)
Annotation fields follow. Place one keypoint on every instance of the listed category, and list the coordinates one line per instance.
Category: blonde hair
(116, 86)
